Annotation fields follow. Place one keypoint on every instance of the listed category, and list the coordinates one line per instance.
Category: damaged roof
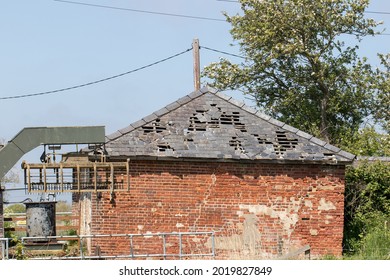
(208, 124)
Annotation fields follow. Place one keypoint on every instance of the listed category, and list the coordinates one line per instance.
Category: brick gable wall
(256, 210)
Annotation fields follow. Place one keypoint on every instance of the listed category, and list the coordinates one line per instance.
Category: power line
(141, 11)
(96, 82)
(374, 12)
(179, 15)
(231, 54)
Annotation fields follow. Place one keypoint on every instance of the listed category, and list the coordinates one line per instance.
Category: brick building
(210, 163)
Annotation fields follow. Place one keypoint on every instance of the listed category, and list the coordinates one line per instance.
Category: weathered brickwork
(257, 210)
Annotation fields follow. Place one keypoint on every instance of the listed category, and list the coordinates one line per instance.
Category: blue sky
(48, 45)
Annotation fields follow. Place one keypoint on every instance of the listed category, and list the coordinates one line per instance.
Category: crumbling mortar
(205, 199)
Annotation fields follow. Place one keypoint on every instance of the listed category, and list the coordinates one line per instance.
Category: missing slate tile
(154, 127)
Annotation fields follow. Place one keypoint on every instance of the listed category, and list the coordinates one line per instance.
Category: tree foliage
(15, 208)
(298, 68)
(382, 105)
(367, 206)
(367, 142)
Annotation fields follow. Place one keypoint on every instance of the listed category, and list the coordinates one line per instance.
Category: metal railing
(4, 248)
(133, 253)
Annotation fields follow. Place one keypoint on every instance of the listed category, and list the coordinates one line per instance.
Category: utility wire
(231, 54)
(141, 11)
(98, 81)
(374, 12)
(177, 15)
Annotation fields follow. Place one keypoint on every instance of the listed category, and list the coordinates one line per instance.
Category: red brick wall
(1, 215)
(256, 210)
(1, 220)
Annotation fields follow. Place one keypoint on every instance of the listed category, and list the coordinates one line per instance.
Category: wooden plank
(16, 218)
(23, 228)
(66, 228)
(66, 218)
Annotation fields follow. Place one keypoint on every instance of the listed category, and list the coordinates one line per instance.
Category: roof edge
(204, 159)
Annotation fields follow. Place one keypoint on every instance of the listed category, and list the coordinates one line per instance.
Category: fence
(16, 223)
(34, 248)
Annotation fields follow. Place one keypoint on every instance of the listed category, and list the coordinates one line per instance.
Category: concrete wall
(257, 210)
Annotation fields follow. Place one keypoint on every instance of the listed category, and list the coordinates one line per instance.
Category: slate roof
(208, 124)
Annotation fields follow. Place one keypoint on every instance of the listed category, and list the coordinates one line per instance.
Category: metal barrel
(41, 219)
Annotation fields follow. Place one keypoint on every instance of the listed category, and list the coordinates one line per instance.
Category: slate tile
(138, 124)
(149, 118)
(332, 148)
(318, 141)
(304, 134)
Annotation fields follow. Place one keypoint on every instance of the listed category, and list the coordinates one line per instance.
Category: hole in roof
(201, 123)
(154, 127)
(236, 144)
(262, 140)
(164, 147)
(329, 156)
(283, 143)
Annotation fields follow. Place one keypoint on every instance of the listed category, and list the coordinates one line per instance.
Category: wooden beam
(195, 50)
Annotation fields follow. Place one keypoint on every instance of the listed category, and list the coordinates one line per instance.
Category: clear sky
(48, 45)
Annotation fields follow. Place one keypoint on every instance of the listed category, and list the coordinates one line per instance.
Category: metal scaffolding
(76, 177)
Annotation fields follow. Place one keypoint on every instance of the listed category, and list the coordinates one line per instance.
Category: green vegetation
(367, 211)
(13, 209)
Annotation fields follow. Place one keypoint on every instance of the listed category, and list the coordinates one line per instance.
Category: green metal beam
(31, 137)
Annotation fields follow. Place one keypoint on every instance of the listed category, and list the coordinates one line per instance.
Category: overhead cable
(231, 54)
(95, 82)
(141, 11)
(375, 12)
(177, 15)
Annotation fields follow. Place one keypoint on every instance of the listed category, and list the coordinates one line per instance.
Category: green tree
(382, 105)
(63, 206)
(367, 209)
(367, 142)
(15, 208)
(298, 68)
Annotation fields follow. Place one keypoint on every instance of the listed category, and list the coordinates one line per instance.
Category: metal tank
(41, 219)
